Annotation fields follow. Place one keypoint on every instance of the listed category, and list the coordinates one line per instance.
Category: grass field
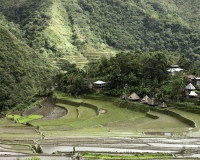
(115, 122)
(83, 121)
(22, 119)
(137, 156)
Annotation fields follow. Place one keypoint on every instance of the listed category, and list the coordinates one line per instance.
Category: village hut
(146, 99)
(90, 86)
(164, 105)
(99, 84)
(190, 87)
(193, 94)
(134, 97)
(123, 96)
(152, 102)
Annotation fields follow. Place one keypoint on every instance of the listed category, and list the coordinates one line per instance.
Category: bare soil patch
(31, 111)
(46, 107)
(56, 112)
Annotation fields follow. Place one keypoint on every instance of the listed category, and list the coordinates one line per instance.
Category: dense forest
(128, 72)
(140, 25)
(37, 35)
(23, 73)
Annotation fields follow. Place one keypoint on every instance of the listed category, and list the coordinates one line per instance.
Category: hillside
(82, 30)
(22, 71)
(37, 33)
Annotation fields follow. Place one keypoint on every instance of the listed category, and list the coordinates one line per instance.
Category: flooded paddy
(54, 149)
(24, 157)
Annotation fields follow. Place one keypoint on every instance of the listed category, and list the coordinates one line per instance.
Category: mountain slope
(22, 71)
(67, 29)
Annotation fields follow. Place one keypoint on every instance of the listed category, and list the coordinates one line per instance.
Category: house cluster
(144, 100)
(189, 89)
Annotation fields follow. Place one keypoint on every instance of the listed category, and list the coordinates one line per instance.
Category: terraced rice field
(65, 125)
(81, 120)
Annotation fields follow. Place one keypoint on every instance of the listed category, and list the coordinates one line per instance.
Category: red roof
(191, 76)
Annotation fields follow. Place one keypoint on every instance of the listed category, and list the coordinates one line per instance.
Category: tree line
(143, 73)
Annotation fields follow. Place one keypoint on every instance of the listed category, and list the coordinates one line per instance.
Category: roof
(174, 66)
(175, 69)
(123, 96)
(192, 93)
(99, 82)
(190, 87)
(146, 99)
(152, 102)
(134, 96)
(191, 76)
(163, 105)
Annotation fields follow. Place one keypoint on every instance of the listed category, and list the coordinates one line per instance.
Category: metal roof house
(99, 84)
(174, 69)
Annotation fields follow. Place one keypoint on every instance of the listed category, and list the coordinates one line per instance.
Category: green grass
(21, 119)
(82, 120)
(86, 113)
(15, 117)
(70, 117)
(192, 116)
(8, 123)
(29, 118)
(61, 95)
(74, 115)
(136, 156)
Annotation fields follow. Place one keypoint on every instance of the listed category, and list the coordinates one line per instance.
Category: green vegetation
(23, 73)
(127, 72)
(33, 158)
(137, 156)
(20, 119)
(37, 36)
(81, 119)
(68, 28)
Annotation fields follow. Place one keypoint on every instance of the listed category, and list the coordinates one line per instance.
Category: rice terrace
(95, 127)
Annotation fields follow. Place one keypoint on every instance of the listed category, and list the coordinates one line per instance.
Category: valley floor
(113, 131)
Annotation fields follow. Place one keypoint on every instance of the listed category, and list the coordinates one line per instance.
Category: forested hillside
(80, 31)
(146, 25)
(22, 71)
(58, 28)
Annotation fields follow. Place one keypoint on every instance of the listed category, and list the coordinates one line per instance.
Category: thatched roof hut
(164, 105)
(146, 99)
(193, 94)
(134, 97)
(123, 96)
(190, 87)
(152, 102)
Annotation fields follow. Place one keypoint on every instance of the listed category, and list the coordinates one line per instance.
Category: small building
(134, 97)
(197, 81)
(174, 69)
(90, 86)
(164, 105)
(193, 94)
(190, 87)
(146, 99)
(194, 80)
(99, 84)
(124, 96)
(152, 102)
